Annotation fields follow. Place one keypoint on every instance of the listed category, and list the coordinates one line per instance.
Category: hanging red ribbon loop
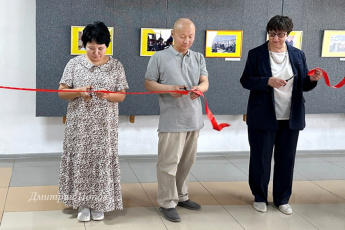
(184, 92)
(209, 114)
(325, 76)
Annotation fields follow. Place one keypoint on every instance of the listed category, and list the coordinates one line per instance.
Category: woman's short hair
(97, 32)
(280, 23)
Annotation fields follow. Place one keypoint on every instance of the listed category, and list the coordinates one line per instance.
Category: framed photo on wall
(294, 39)
(153, 40)
(223, 43)
(333, 44)
(77, 47)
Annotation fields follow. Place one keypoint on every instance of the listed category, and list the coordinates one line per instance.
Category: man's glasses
(273, 34)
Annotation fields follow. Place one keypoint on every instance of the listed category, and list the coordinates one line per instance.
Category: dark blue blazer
(261, 107)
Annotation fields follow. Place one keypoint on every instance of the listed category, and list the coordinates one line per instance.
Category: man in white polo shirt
(177, 68)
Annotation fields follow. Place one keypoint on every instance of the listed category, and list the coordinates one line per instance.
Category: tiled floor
(28, 196)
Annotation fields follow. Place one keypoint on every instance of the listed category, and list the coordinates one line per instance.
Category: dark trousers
(284, 141)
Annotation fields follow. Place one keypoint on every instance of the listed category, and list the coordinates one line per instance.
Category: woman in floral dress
(90, 171)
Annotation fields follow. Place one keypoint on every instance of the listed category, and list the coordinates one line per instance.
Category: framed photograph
(223, 43)
(153, 40)
(333, 44)
(77, 47)
(294, 39)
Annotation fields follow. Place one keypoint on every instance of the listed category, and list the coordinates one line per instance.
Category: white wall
(23, 133)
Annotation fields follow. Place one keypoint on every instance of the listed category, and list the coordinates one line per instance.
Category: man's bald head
(183, 22)
(183, 34)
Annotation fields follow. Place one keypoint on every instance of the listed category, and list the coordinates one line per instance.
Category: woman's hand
(103, 95)
(86, 95)
(71, 95)
(317, 75)
(276, 82)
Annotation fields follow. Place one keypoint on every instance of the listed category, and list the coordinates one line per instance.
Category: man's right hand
(177, 88)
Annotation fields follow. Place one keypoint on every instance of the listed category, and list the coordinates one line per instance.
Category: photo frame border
(209, 38)
(326, 44)
(143, 40)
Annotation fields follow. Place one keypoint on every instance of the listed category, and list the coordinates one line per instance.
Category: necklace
(272, 56)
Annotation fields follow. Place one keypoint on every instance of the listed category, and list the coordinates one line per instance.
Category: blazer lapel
(294, 60)
(266, 66)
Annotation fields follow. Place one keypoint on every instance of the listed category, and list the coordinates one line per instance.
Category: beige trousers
(176, 156)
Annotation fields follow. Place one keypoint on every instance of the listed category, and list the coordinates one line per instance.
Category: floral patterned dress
(90, 170)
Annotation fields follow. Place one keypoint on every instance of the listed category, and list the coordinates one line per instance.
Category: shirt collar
(85, 62)
(89, 65)
(172, 49)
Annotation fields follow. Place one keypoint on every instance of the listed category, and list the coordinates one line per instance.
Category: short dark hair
(97, 32)
(280, 23)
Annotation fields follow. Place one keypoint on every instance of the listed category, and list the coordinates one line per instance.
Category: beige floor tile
(41, 220)
(3, 194)
(133, 195)
(136, 218)
(196, 193)
(42, 198)
(151, 191)
(323, 216)
(230, 193)
(209, 217)
(336, 187)
(35, 198)
(5, 177)
(306, 192)
(273, 219)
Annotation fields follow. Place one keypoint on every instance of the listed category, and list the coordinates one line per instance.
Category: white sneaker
(260, 206)
(97, 215)
(286, 209)
(83, 214)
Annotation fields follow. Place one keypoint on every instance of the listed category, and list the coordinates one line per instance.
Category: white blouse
(281, 68)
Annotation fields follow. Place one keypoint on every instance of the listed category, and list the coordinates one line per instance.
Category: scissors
(184, 88)
(290, 78)
(90, 91)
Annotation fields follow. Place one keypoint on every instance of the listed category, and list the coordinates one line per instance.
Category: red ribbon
(87, 91)
(325, 76)
(209, 114)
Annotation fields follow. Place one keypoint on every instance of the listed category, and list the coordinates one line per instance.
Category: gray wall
(226, 95)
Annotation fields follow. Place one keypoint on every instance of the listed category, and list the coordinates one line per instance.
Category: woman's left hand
(102, 96)
(317, 75)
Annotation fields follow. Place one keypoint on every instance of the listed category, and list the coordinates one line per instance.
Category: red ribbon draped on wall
(209, 114)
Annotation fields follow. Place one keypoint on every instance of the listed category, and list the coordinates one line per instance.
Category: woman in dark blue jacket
(276, 75)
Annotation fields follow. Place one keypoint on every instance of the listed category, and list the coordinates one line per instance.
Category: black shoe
(189, 205)
(170, 214)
